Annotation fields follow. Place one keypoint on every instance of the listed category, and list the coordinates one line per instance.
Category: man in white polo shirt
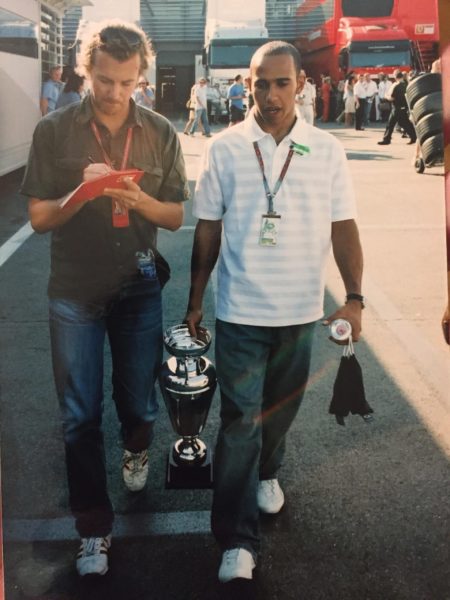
(200, 106)
(272, 234)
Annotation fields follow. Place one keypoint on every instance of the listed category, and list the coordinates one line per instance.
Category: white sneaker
(135, 469)
(270, 496)
(92, 557)
(236, 562)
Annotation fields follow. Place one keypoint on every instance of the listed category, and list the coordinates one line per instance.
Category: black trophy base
(180, 477)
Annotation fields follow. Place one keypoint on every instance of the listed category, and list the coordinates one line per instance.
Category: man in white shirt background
(306, 99)
(200, 106)
(360, 93)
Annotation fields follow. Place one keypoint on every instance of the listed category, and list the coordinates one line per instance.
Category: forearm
(167, 215)
(205, 252)
(348, 254)
(43, 103)
(46, 215)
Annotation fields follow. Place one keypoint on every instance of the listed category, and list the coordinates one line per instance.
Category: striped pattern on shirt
(280, 285)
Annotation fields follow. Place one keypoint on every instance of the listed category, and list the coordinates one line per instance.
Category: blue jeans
(133, 323)
(262, 373)
(201, 115)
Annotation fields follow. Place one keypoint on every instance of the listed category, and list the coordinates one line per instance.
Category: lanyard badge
(269, 229)
(120, 217)
(270, 222)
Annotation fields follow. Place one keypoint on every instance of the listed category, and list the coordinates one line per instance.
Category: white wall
(20, 82)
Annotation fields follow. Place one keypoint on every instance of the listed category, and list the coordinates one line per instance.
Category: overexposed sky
(107, 9)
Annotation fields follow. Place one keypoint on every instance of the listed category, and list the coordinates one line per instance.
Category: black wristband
(355, 297)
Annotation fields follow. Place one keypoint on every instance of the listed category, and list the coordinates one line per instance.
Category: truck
(336, 37)
(233, 31)
(20, 81)
(30, 42)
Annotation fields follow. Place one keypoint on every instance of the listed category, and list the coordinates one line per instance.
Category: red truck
(339, 36)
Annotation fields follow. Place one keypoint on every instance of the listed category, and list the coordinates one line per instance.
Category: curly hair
(118, 38)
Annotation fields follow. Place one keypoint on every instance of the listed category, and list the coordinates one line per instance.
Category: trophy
(188, 382)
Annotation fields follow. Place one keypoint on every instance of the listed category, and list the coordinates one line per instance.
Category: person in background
(360, 93)
(214, 103)
(371, 97)
(399, 113)
(306, 99)
(144, 96)
(200, 106)
(190, 105)
(103, 278)
(325, 93)
(384, 106)
(72, 91)
(349, 101)
(236, 95)
(51, 90)
(272, 241)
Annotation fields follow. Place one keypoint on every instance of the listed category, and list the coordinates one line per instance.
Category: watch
(358, 297)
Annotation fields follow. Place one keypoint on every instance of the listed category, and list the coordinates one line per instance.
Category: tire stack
(424, 96)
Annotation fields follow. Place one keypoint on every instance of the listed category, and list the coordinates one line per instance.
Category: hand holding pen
(94, 170)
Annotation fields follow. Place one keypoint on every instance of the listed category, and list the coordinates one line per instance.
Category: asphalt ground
(367, 515)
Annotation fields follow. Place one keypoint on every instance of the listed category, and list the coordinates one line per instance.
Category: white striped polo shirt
(283, 284)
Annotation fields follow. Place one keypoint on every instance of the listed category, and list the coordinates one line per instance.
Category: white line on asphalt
(140, 525)
(14, 243)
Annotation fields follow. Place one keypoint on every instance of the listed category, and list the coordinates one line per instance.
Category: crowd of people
(65, 86)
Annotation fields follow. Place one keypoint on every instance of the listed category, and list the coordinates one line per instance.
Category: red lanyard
(269, 194)
(119, 215)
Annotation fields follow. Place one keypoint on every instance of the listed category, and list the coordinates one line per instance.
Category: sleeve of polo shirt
(343, 202)
(208, 198)
(39, 178)
(175, 186)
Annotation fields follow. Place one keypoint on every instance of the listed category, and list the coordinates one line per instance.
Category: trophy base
(180, 477)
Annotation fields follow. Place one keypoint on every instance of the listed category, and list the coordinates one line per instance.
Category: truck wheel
(429, 125)
(429, 104)
(422, 86)
(433, 149)
(419, 165)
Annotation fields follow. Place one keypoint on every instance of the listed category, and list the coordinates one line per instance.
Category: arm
(46, 215)
(43, 104)
(349, 259)
(204, 256)
(168, 215)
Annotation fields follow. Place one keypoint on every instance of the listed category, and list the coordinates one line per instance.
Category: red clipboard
(89, 190)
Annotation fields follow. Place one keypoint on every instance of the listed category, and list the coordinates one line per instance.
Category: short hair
(238, 77)
(278, 48)
(118, 38)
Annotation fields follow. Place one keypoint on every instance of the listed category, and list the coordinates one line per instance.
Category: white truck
(233, 31)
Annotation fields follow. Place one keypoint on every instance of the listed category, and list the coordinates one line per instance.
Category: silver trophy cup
(188, 382)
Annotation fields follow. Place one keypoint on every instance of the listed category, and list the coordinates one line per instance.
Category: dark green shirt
(91, 259)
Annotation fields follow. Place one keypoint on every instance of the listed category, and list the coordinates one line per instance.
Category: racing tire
(433, 149)
(423, 86)
(429, 104)
(429, 125)
(419, 165)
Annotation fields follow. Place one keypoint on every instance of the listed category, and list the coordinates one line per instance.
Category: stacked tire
(424, 96)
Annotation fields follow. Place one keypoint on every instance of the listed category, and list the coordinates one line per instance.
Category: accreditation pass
(270, 227)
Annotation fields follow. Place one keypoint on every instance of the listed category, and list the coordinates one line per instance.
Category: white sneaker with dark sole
(270, 496)
(236, 563)
(92, 557)
(135, 469)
